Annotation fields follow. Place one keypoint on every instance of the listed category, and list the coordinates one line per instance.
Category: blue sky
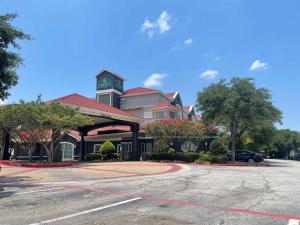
(173, 45)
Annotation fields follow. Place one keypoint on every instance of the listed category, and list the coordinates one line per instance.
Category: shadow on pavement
(13, 182)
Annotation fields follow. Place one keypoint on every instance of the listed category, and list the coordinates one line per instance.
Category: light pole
(206, 146)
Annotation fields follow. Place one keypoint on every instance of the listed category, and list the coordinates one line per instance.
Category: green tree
(236, 106)
(284, 142)
(9, 61)
(190, 134)
(28, 117)
(8, 125)
(55, 122)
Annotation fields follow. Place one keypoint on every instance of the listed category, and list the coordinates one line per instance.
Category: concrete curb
(16, 164)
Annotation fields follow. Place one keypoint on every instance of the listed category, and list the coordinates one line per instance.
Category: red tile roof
(163, 105)
(103, 129)
(139, 90)
(187, 108)
(170, 95)
(84, 102)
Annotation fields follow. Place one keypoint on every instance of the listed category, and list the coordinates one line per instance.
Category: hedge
(173, 156)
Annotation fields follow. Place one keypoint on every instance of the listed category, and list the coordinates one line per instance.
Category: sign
(104, 83)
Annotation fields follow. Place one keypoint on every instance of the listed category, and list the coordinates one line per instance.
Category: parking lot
(151, 193)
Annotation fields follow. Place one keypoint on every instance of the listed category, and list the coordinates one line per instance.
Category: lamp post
(206, 146)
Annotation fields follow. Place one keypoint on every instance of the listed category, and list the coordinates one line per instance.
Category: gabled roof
(140, 91)
(88, 103)
(109, 71)
(188, 108)
(172, 95)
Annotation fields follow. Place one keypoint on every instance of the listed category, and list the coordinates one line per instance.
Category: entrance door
(67, 151)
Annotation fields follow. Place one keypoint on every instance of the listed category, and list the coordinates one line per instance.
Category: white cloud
(2, 102)
(258, 65)
(161, 25)
(163, 22)
(154, 80)
(209, 74)
(188, 41)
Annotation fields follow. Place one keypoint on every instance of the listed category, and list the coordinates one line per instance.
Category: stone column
(82, 149)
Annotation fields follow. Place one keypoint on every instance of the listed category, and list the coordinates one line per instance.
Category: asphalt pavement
(193, 195)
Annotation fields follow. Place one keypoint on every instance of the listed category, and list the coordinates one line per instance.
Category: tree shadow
(13, 182)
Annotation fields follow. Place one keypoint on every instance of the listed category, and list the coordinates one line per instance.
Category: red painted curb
(8, 163)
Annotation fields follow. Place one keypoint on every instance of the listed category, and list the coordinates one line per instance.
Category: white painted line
(293, 222)
(30, 192)
(85, 212)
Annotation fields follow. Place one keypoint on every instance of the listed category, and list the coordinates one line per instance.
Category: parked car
(247, 156)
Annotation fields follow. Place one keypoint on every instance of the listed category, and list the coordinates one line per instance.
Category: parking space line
(293, 222)
(85, 212)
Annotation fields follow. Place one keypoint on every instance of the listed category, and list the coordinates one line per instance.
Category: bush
(219, 159)
(171, 150)
(171, 156)
(211, 158)
(204, 157)
(217, 147)
(187, 156)
(93, 156)
(107, 148)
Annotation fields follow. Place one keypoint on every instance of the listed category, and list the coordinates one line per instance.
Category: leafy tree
(28, 116)
(236, 106)
(284, 142)
(8, 125)
(56, 120)
(184, 131)
(34, 122)
(218, 147)
(9, 61)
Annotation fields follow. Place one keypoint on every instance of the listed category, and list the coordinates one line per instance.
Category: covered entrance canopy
(103, 115)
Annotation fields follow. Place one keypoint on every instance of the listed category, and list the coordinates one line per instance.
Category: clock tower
(110, 86)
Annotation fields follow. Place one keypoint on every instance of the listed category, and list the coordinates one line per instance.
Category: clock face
(104, 83)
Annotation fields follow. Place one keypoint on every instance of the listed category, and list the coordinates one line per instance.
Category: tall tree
(284, 142)
(56, 121)
(9, 61)
(236, 105)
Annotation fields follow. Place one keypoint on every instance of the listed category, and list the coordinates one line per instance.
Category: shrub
(219, 159)
(171, 150)
(170, 156)
(107, 148)
(93, 156)
(204, 157)
(187, 156)
(211, 158)
(217, 147)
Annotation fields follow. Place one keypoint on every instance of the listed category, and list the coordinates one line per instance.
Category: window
(97, 148)
(123, 103)
(172, 115)
(159, 115)
(147, 114)
(67, 151)
(143, 147)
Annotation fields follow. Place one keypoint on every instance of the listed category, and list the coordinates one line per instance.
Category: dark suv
(247, 156)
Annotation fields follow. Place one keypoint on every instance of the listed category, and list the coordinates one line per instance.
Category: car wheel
(251, 161)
